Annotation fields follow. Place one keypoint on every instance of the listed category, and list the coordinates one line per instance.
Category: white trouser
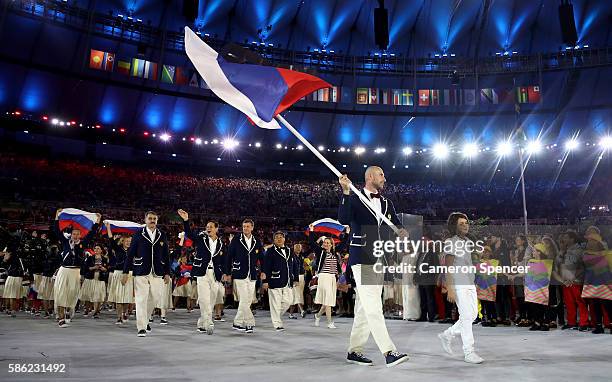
(467, 305)
(280, 300)
(369, 316)
(411, 302)
(244, 291)
(148, 291)
(207, 292)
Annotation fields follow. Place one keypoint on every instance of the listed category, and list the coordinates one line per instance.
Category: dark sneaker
(201, 330)
(395, 358)
(238, 328)
(567, 326)
(280, 329)
(151, 319)
(358, 359)
(148, 328)
(142, 333)
(118, 322)
(62, 324)
(598, 330)
(583, 329)
(303, 314)
(163, 321)
(249, 329)
(292, 316)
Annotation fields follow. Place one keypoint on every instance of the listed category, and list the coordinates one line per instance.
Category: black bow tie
(377, 195)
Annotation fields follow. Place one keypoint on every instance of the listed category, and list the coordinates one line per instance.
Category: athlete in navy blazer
(145, 255)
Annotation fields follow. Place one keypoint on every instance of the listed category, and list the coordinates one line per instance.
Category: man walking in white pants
(240, 264)
(208, 268)
(365, 228)
(460, 286)
(279, 276)
(148, 259)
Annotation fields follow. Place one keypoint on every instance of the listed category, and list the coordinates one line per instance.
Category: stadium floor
(98, 350)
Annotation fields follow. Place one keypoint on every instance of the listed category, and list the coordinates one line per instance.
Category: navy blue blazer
(117, 256)
(145, 255)
(202, 257)
(90, 261)
(73, 257)
(281, 270)
(365, 228)
(241, 261)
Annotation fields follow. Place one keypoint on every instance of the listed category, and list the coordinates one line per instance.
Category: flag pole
(333, 169)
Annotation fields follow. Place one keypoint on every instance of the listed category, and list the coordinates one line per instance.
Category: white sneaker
(331, 325)
(446, 341)
(473, 358)
(317, 319)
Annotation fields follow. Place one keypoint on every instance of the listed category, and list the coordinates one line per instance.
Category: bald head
(375, 178)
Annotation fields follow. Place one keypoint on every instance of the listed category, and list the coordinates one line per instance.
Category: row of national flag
(448, 97)
(170, 74)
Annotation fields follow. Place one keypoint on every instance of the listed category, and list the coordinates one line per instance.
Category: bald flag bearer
(367, 227)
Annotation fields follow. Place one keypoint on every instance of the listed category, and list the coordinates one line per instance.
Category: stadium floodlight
(606, 142)
(198, 141)
(279, 146)
(407, 150)
(359, 150)
(440, 151)
(470, 150)
(230, 144)
(504, 148)
(55, 121)
(342, 149)
(380, 150)
(321, 148)
(257, 144)
(571, 144)
(534, 147)
(165, 137)
(300, 147)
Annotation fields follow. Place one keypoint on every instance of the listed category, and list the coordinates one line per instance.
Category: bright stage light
(380, 150)
(165, 137)
(572, 144)
(279, 146)
(534, 147)
(321, 148)
(407, 150)
(470, 150)
(55, 121)
(300, 147)
(504, 148)
(257, 144)
(359, 150)
(606, 142)
(198, 141)
(342, 149)
(440, 151)
(230, 144)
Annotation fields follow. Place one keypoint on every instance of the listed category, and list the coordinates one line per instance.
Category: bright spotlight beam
(470, 150)
(571, 145)
(440, 151)
(230, 144)
(504, 148)
(534, 147)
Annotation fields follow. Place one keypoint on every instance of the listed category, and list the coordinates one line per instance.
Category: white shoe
(331, 326)
(446, 341)
(317, 319)
(473, 358)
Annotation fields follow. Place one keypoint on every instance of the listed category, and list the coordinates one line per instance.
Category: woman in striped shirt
(327, 271)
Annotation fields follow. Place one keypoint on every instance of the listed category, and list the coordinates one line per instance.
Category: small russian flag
(77, 219)
(260, 92)
(328, 226)
(121, 226)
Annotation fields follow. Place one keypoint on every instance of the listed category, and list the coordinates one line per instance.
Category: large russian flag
(328, 226)
(260, 92)
(77, 219)
(121, 226)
